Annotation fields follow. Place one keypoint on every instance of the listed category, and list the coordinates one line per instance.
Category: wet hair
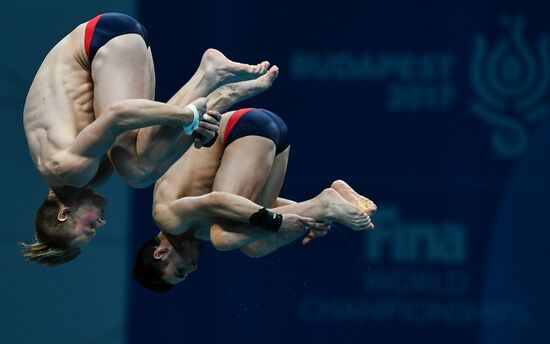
(52, 237)
(147, 270)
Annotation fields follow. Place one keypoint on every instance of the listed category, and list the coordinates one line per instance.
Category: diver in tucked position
(219, 194)
(90, 110)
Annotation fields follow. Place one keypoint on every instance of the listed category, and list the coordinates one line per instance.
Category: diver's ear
(63, 214)
(161, 252)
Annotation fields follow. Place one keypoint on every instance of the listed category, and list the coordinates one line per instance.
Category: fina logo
(511, 82)
(400, 242)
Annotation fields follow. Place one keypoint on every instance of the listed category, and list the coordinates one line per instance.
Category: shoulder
(64, 168)
(165, 219)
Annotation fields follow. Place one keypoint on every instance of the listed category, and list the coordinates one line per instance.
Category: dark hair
(147, 270)
(52, 237)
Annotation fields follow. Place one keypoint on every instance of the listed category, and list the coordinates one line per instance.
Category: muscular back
(58, 106)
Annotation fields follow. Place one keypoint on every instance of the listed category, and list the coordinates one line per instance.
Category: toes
(259, 69)
(264, 67)
(337, 183)
(273, 71)
(267, 79)
(373, 207)
(241, 68)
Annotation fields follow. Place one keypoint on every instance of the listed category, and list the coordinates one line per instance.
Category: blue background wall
(438, 111)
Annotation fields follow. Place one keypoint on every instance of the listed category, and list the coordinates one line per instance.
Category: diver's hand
(207, 129)
(320, 230)
(293, 223)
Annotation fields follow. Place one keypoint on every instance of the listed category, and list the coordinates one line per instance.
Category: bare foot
(226, 96)
(353, 197)
(340, 210)
(219, 70)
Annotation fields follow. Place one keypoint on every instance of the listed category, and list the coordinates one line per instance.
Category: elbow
(117, 108)
(215, 198)
(116, 113)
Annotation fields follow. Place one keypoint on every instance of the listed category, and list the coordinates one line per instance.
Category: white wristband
(188, 130)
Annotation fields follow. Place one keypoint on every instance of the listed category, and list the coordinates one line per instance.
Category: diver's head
(66, 221)
(166, 260)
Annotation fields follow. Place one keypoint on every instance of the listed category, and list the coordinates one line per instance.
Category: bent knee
(221, 240)
(254, 251)
(222, 245)
(133, 170)
(136, 178)
(141, 179)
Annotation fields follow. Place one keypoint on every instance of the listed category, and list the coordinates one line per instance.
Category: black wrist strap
(211, 142)
(266, 219)
(207, 144)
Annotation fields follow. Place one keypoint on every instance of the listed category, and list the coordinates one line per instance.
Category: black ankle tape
(266, 219)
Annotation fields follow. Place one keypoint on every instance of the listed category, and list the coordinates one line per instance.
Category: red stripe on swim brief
(90, 27)
(233, 120)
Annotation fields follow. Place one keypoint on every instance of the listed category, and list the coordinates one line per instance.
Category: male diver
(228, 194)
(90, 110)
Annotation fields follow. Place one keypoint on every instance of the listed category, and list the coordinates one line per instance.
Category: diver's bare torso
(192, 175)
(59, 104)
